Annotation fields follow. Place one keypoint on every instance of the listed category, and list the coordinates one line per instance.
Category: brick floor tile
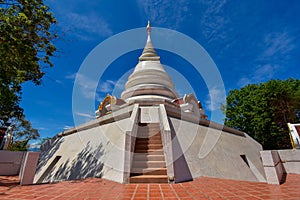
(59, 198)
(140, 198)
(155, 195)
(183, 195)
(200, 188)
(137, 195)
(43, 198)
(216, 198)
(253, 198)
(124, 198)
(154, 190)
(77, 198)
(142, 190)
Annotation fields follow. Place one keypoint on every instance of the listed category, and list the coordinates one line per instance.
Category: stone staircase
(148, 163)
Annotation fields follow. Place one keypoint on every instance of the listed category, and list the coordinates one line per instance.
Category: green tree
(22, 132)
(263, 111)
(26, 45)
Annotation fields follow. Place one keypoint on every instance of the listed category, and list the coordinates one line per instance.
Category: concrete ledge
(130, 138)
(117, 115)
(166, 141)
(273, 167)
(278, 162)
(189, 117)
(290, 160)
(270, 158)
(172, 109)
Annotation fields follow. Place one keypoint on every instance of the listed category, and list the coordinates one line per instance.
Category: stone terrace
(200, 188)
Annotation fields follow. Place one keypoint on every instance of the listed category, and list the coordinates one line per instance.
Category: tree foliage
(19, 145)
(26, 45)
(263, 111)
(22, 133)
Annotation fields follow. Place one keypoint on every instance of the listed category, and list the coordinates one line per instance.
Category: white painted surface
(272, 166)
(291, 160)
(222, 158)
(149, 114)
(149, 78)
(94, 152)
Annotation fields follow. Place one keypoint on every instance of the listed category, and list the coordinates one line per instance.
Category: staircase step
(152, 152)
(149, 129)
(148, 164)
(148, 171)
(149, 179)
(147, 157)
(147, 139)
(148, 142)
(148, 146)
(154, 126)
(148, 136)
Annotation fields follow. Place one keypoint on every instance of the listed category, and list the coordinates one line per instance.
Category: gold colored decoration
(106, 101)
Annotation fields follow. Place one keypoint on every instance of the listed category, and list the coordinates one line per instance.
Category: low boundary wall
(19, 163)
(278, 163)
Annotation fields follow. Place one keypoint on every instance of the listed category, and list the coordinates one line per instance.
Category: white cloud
(244, 81)
(71, 76)
(264, 72)
(214, 99)
(42, 128)
(88, 24)
(106, 87)
(213, 21)
(87, 86)
(77, 22)
(162, 12)
(120, 85)
(35, 145)
(260, 74)
(66, 127)
(86, 115)
(277, 44)
(277, 47)
(83, 117)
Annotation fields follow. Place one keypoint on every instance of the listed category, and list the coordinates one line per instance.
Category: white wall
(96, 152)
(211, 152)
(291, 160)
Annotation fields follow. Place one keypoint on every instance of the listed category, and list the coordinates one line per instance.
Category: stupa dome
(149, 79)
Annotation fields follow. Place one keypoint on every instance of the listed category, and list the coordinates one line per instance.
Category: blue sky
(250, 41)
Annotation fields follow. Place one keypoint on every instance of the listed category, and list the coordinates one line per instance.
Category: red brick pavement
(200, 188)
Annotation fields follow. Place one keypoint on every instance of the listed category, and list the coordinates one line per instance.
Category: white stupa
(150, 135)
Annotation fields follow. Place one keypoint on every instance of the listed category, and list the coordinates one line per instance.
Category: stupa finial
(149, 28)
(149, 51)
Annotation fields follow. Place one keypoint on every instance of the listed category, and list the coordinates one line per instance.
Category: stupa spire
(149, 53)
(149, 28)
(149, 79)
